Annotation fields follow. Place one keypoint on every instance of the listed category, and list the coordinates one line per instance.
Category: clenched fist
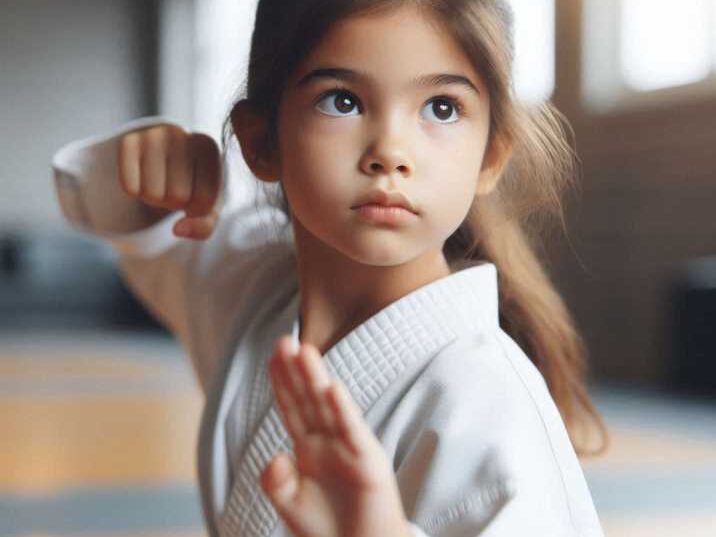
(168, 168)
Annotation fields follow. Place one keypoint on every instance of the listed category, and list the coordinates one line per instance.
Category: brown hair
(541, 165)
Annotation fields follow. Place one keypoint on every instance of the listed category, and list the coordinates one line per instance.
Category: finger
(307, 402)
(280, 480)
(179, 169)
(153, 166)
(316, 379)
(295, 383)
(128, 157)
(206, 181)
(198, 228)
(290, 414)
(286, 356)
(348, 417)
(287, 404)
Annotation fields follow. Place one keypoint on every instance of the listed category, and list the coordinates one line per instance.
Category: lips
(386, 199)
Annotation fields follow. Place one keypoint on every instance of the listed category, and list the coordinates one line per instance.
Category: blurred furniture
(694, 364)
(63, 280)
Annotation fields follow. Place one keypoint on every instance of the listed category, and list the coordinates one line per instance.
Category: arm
(179, 280)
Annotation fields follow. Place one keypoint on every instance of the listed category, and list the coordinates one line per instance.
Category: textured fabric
(477, 444)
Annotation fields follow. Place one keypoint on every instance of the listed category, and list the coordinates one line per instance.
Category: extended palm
(342, 484)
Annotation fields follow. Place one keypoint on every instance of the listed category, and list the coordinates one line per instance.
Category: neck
(338, 293)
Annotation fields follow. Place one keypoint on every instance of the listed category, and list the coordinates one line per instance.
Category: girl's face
(370, 126)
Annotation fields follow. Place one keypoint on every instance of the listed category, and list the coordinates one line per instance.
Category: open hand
(342, 483)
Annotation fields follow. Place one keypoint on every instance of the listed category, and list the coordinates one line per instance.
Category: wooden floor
(99, 435)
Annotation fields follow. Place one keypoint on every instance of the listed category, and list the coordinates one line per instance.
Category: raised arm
(193, 286)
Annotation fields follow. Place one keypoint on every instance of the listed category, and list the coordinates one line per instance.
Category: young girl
(435, 365)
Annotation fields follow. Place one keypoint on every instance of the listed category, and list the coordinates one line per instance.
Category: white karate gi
(477, 443)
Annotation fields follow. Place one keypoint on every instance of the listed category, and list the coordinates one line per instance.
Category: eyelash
(454, 101)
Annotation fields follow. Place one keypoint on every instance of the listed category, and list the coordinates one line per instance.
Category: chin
(378, 253)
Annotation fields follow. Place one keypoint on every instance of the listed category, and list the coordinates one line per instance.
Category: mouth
(376, 213)
(388, 200)
(383, 206)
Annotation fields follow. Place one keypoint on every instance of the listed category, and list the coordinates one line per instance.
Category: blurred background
(99, 410)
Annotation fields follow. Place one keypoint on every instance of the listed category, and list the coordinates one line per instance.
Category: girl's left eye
(343, 101)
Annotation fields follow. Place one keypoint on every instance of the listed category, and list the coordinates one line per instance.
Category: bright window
(534, 69)
(647, 52)
(713, 33)
(665, 43)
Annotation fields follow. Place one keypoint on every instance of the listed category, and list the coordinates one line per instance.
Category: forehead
(393, 46)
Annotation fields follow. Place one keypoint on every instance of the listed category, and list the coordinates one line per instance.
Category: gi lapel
(205, 447)
(404, 334)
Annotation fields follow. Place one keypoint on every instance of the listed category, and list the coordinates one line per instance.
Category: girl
(433, 357)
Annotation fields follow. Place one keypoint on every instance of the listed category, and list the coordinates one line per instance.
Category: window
(534, 69)
(204, 52)
(223, 39)
(205, 48)
(644, 51)
(662, 46)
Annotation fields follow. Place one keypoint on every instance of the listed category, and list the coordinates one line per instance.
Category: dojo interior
(99, 409)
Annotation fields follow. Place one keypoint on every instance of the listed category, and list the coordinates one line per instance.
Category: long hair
(531, 184)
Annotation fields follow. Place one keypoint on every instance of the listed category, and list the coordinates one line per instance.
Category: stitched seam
(487, 496)
(544, 426)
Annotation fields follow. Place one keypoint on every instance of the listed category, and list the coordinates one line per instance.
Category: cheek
(452, 204)
(315, 146)
(316, 171)
(452, 149)
(450, 191)
(452, 161)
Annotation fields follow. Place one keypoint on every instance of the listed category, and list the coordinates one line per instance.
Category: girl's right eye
(338, 99)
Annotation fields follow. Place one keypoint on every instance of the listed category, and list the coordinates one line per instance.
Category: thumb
(197, 227)
(280, 482)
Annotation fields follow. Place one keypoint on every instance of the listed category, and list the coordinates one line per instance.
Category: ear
(251, 129)
(494, 162)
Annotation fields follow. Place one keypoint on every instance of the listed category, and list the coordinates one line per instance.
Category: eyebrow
(341, 73)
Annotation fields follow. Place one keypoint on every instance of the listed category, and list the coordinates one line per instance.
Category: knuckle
(203, 144)
(127, 187)
(128, 163)
(179, 198)
(149, 194)
(156, 136)
(128, 144)
(175, 133)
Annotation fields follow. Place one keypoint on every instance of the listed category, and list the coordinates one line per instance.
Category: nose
(387, 154)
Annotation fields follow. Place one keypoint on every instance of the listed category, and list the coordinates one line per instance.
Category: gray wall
(68, 69)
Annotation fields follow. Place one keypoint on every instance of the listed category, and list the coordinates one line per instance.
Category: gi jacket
(477, 443)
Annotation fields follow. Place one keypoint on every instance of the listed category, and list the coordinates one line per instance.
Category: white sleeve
(489, 455)
(186, 284)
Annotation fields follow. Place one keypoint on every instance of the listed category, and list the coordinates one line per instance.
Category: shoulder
(487, 373)
(488, 394)
(490, 444)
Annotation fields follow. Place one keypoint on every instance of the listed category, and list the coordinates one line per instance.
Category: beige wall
(648, 204)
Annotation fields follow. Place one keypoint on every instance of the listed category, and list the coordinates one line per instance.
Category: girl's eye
(339, 100)
(442, 107)
(343, 101)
